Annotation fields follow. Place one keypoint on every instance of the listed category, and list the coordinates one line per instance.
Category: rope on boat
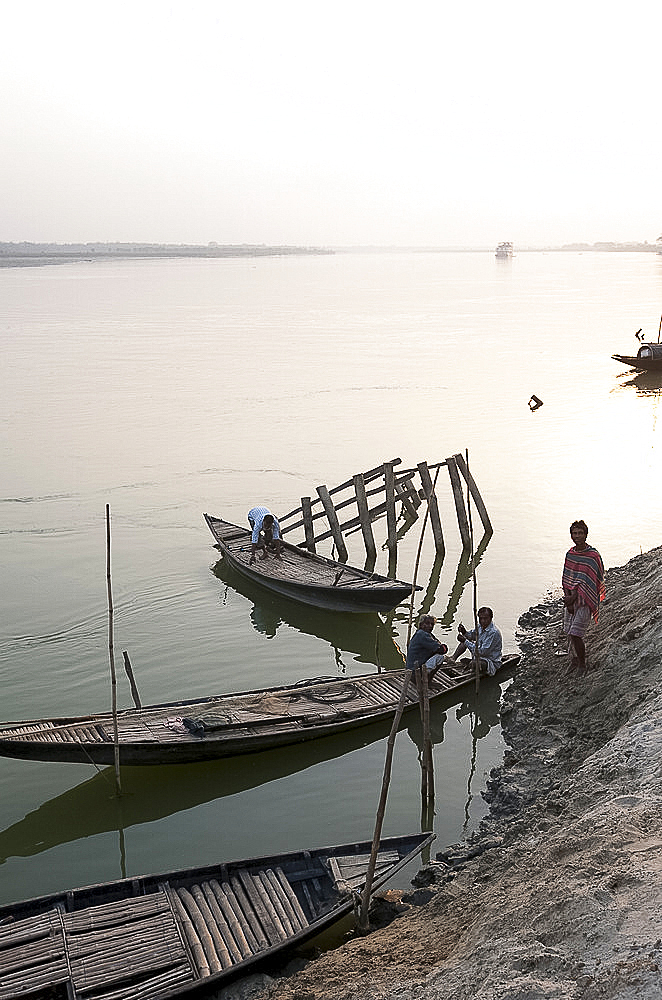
(333, 693)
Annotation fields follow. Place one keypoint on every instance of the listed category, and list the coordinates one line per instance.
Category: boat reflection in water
(150, 794)
(368, 637)
(371, 638)
(645, 383)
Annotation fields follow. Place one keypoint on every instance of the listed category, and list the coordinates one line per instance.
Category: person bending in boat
(425, 648)
(583, 584)
(266, 533)
(490, 643)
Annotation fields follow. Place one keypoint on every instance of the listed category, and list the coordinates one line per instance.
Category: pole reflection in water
(483, 709)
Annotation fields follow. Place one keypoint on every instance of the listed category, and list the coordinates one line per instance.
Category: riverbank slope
(558, 896)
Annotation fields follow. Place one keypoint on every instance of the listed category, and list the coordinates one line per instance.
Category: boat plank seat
(49, 731)
(125, 947)
(352, 870)
(225, 921)
(32, 955)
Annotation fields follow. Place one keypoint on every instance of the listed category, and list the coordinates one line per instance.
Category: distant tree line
(26, 253)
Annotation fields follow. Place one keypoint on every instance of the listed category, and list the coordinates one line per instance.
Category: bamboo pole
(111, 654)
(420, 670)
(473, 574)
(365, 902)
(420, 546)
(427, 742)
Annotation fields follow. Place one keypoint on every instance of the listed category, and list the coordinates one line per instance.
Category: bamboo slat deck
(225, 725)
(306, 576)
(159, 936)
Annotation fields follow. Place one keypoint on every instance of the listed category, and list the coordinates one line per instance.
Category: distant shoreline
(38, 254)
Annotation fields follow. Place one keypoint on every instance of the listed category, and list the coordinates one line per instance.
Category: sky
(330, 124)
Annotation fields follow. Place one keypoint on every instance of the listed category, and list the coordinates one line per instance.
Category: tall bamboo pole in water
(475, 586)
(386, 779)
(111, 653)
(418, 559)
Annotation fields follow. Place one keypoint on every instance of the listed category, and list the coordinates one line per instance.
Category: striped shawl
(583, 571)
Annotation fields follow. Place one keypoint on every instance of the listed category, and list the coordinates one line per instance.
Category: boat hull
(183, 933)
(308, 577)
(641, 364)
(227, 725)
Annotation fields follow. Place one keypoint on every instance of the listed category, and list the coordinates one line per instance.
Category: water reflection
(150, 794)
(483, 709)
(153, 793)
(645, 383)
(367, 636)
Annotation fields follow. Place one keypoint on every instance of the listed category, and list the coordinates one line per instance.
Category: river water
(169, 388)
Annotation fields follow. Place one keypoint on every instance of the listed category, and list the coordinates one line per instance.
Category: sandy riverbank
(559, 895)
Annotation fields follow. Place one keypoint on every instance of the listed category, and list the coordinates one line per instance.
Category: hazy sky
(411, 123)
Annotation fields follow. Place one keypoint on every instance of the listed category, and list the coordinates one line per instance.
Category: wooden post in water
(132, 680)
(111, 654)
(334, 524)
(307, 511)
(402, 494)
(433, 508)
(386, 779)
(364, 517)
(389, 486)
(460, 509)
(473, 490)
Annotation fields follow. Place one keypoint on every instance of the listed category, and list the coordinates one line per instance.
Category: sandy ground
(558, 895)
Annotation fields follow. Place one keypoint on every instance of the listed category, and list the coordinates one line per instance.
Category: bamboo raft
(226, 725)
(183, 933)
(307, 576)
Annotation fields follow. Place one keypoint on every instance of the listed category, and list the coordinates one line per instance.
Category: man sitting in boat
(425, 648)
(490, 643)
(266, 533)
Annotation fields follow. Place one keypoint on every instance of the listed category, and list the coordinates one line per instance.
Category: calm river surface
(169, 388)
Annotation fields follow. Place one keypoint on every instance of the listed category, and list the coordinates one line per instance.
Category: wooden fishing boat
(648, 358)
(183, 933)
(306, 576)
(226, 725)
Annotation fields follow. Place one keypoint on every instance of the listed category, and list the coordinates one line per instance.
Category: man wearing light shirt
(266, 532)
(490, 644)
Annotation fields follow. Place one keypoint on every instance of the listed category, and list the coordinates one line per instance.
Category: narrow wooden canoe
(187, 932)
(225, 725)
(306, 576)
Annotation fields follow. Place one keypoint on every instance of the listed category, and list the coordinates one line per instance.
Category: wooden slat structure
(398, 492)
(161, 936)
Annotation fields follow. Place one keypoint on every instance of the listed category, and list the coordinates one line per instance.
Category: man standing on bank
(490, 643)
(266, 533)
(583, 590)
